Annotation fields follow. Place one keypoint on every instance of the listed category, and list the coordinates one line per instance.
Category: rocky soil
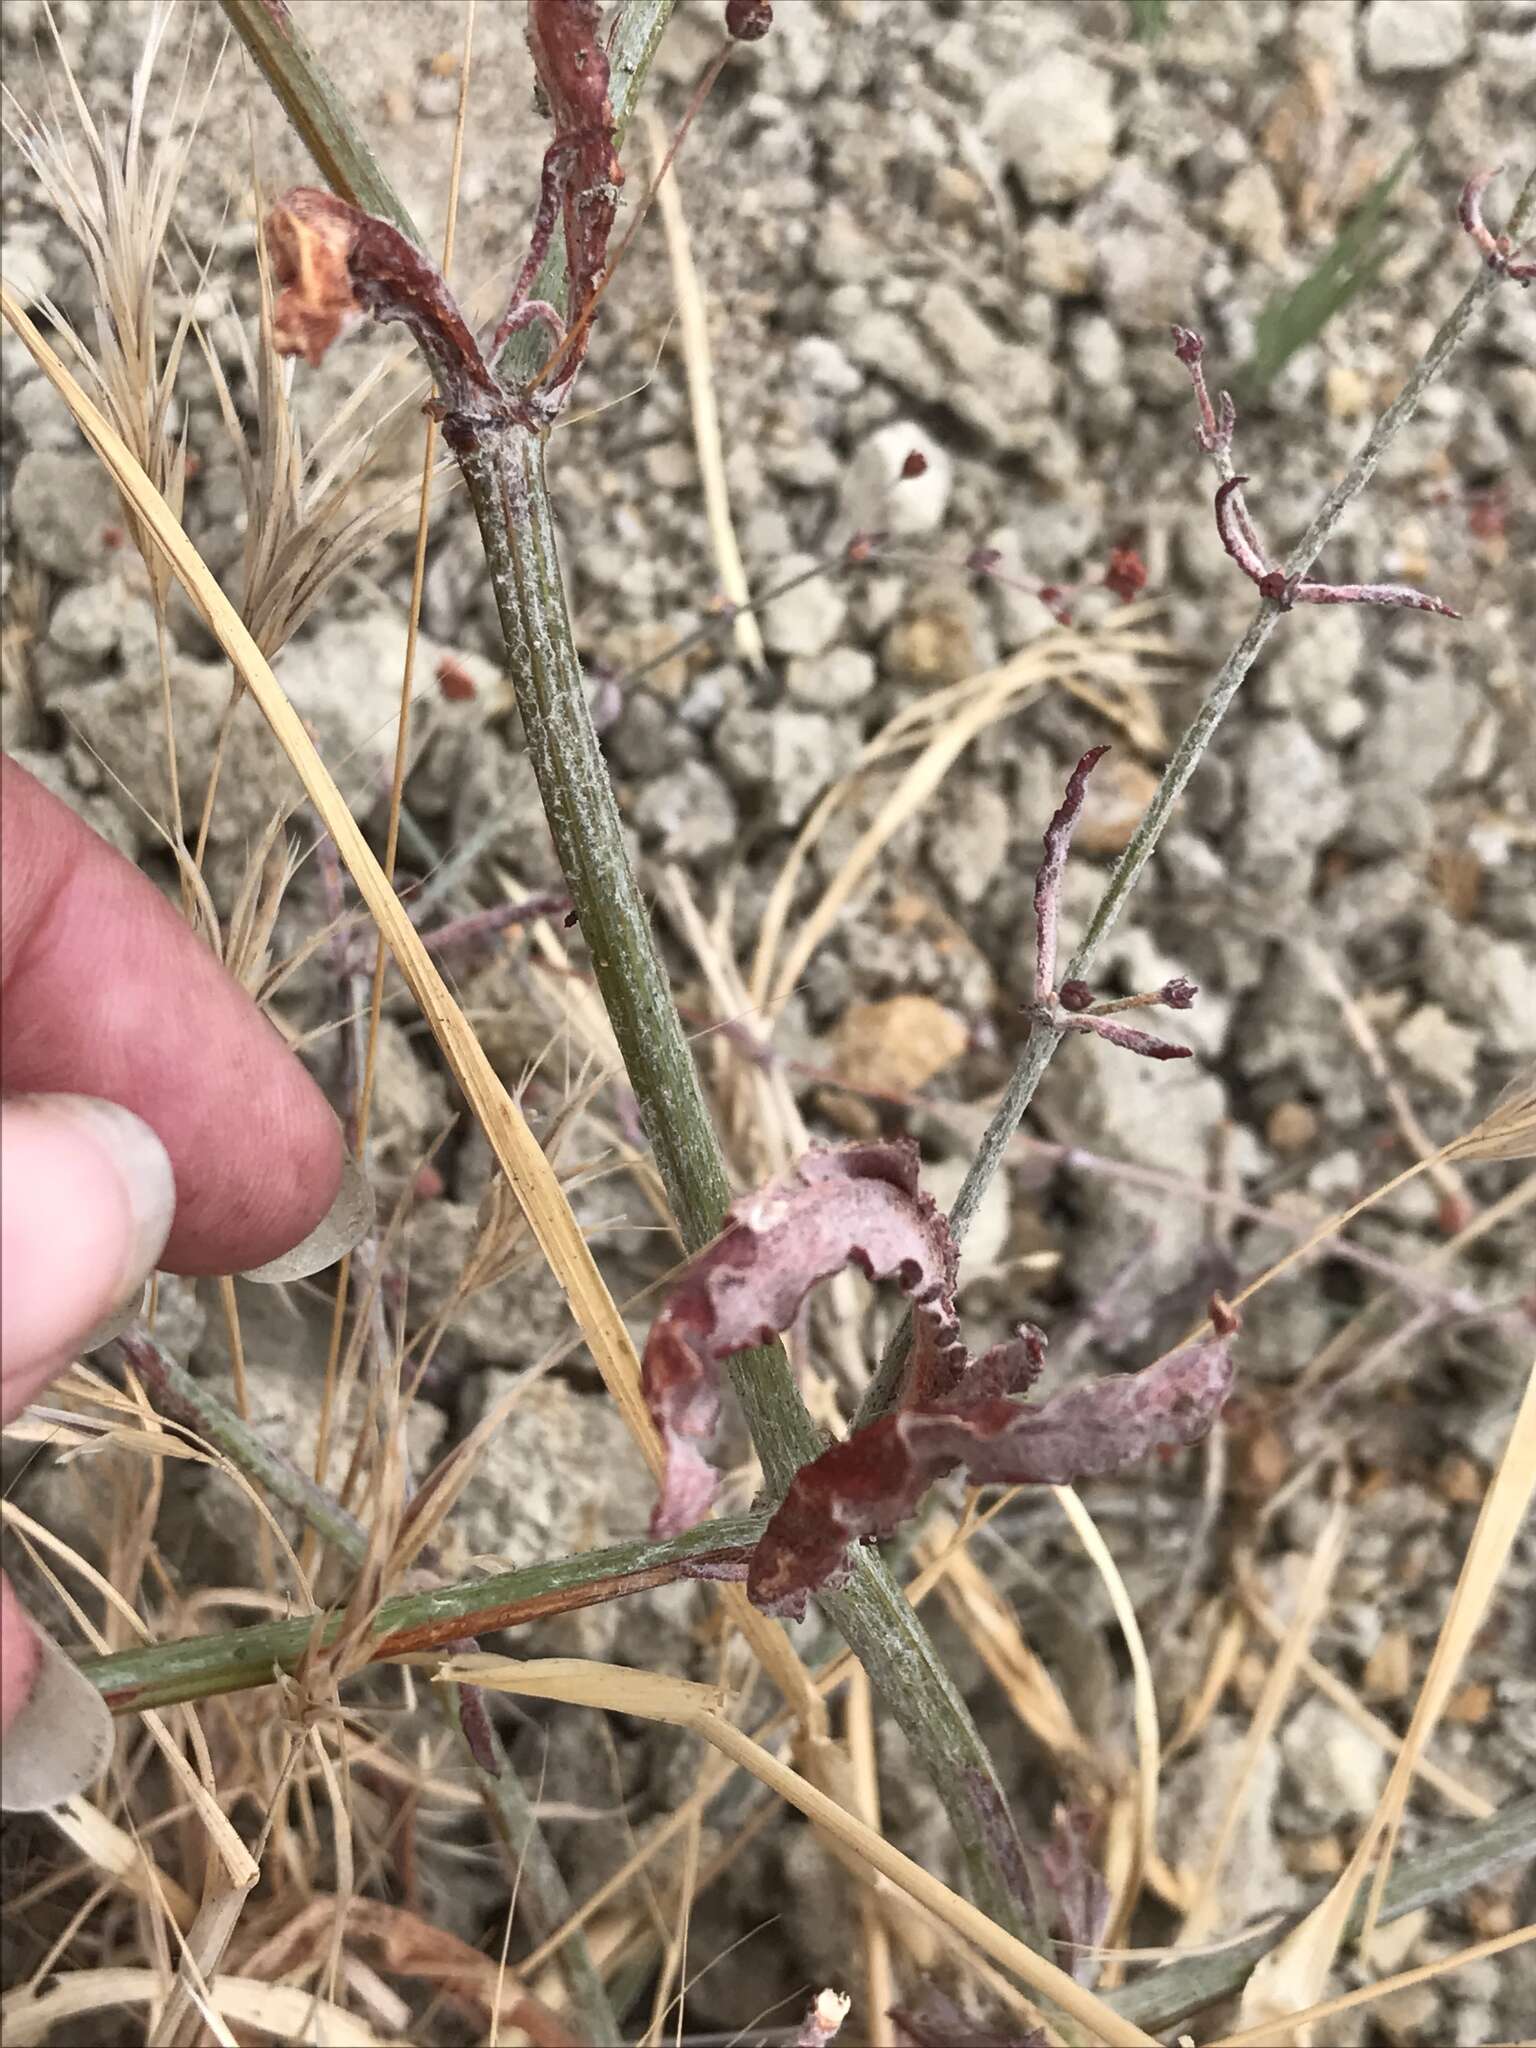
(962, 229)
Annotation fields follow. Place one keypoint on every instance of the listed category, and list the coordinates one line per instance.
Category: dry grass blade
(1262, 2036)
(1144, 1697)
(282, 2011)
(119, 212)
(516, 1149)
(122, 1858)
(1311, 1604)
(1455, 1794)
(1294, 1975)
(682, 1703)
(693, 327)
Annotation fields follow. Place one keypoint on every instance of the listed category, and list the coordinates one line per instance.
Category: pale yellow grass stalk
(684, 1704)
(693, 328)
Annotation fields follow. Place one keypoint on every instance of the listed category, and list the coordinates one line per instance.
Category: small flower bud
(748, 20)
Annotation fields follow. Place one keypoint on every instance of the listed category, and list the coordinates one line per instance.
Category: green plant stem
(319, 115)
(170, 1667)
(1040, 1046)
(180, 1398)
(1466, 1856)
(165, 1674)
(504, 471)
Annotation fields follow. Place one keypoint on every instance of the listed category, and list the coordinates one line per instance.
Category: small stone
(957, 193)
(1394, 1942)
(1095, 351)
(1291, 1127)
(1293, 802)
(1314, 1856)
(834, 680)
(1150, 263)
(808, 618)
(969, 843)
(1337, 1767)
(1439, 1050)
(1415, 35)
(1057, 258)
(1346, 393)
(1488, 1911)
(1262, 1460)
(1118, 796)
(689, 810)
(933, 646)
(1389, 1669)
(1407, 2017)
(1460, 1480)
(997, 384)
(1471, 1705)
(879, 498)
(1489, 983)
(88, 622)
(898, 1045)
(789, 757)
(1055, 126)
(672, 467)
(1252, 214)
(65, 513)
(822, 365)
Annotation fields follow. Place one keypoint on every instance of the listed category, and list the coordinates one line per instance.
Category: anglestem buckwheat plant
(495, 414)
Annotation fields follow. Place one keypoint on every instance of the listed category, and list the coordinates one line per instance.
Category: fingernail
(338, 1231)
(141, 1164)
(61, 1739)
(116, 1320)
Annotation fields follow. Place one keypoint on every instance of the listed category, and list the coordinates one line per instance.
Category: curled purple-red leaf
(845, 1205)
(1058, 838)
(565, 42)
(872, 1481)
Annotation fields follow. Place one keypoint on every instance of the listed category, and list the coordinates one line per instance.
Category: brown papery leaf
(309, 238)
(873, 1480)
(847, 1205)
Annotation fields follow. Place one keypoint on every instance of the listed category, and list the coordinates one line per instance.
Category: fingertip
(86, 1200)
(18, 1655)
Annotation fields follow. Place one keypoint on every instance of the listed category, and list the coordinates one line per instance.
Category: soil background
(961, 229)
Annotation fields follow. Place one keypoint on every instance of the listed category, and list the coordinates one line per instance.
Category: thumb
(86, 1201)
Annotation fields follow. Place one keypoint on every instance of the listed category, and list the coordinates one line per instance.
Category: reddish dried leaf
(1129, 1039)
(848, 1205)
(333, 263)
(573, 70)
(309, 239)
(1058, 837)
(868, 1484)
